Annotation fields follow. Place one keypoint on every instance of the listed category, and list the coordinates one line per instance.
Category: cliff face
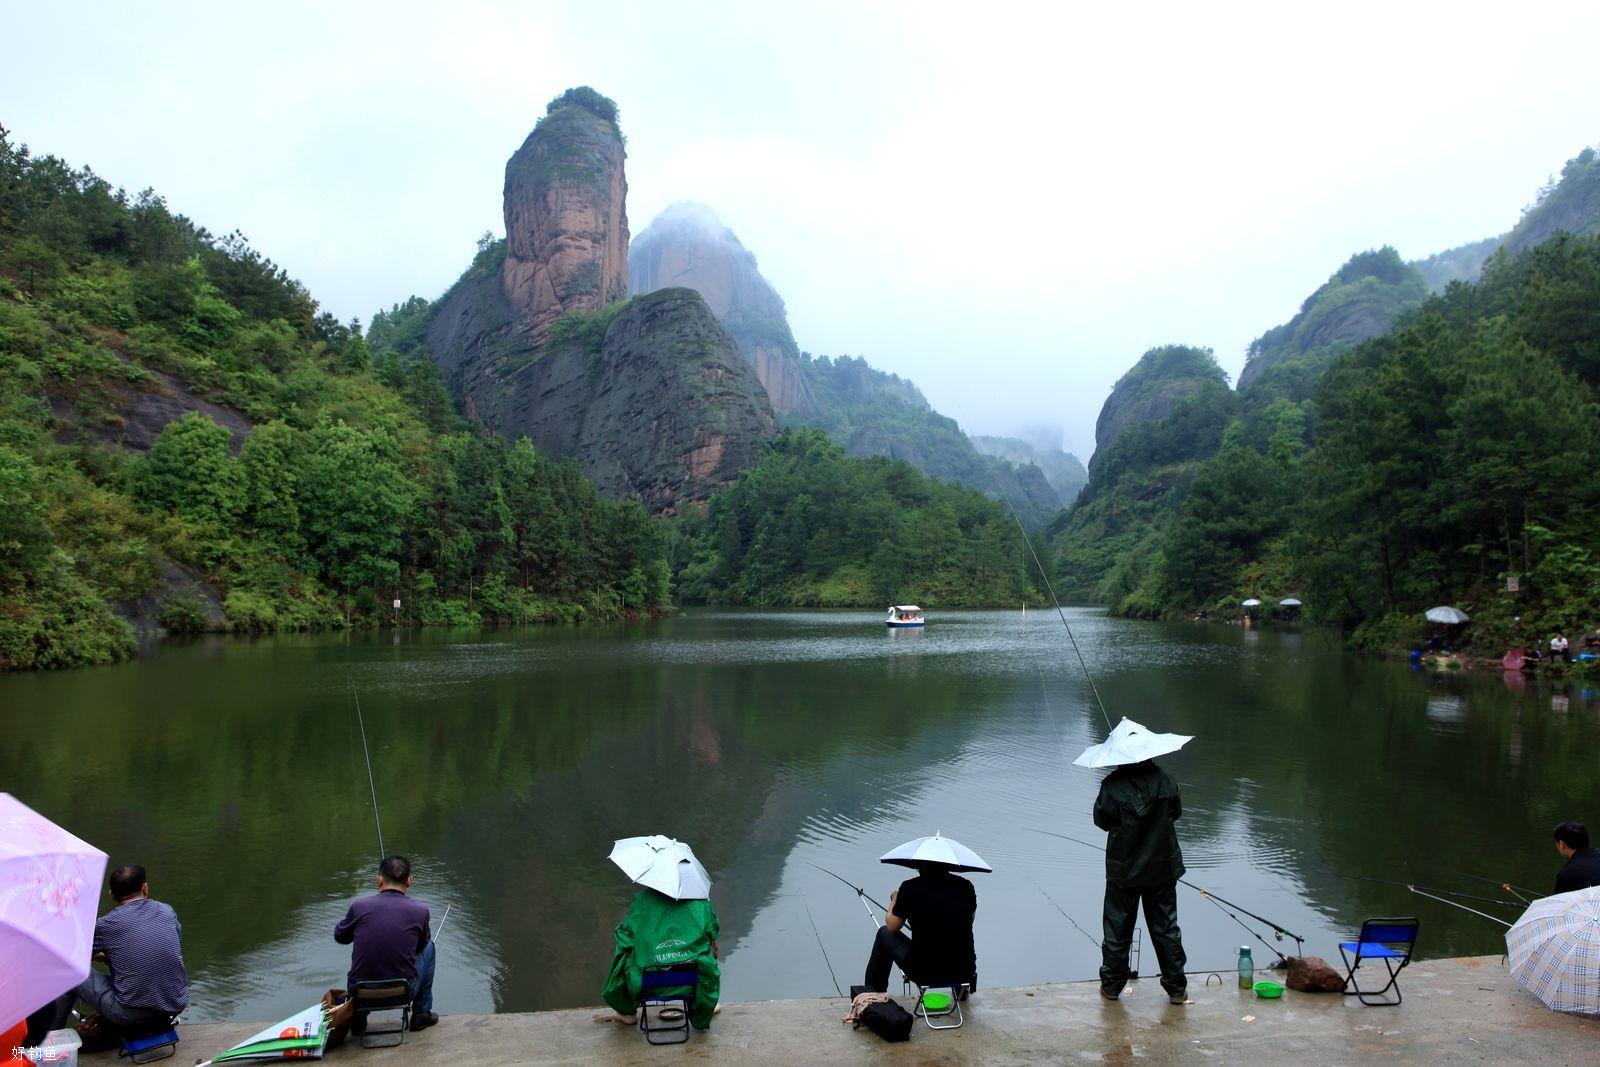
(1161, 379)
(1361, 300)
(687, 245)
(566, 218)
(653, 399)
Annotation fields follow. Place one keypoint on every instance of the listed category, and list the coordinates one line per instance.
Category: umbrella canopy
(1555, 951)
(1251, 603)
(939, 849)
(49, 884)
(660, 863)
(1447, 615)
(1130, 743)
(1288, 602)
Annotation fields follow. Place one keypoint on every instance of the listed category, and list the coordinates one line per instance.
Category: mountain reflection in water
(507, 761)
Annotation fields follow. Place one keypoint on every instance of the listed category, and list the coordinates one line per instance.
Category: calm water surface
(507, 761)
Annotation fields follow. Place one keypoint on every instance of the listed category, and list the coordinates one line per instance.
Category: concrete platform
(1456, 1011)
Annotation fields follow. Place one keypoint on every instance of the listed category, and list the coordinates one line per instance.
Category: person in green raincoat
(659, 931)
(1138, 807)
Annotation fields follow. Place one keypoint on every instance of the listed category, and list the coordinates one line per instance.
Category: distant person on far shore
(1558, 647)
(389, 938)
(1582, 869)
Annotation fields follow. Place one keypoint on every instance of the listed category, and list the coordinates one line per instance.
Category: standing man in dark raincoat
(1138, 807)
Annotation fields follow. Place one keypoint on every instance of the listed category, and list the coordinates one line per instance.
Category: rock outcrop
(687, 245)
(1155, 385)
(566, 213)
(652, 398)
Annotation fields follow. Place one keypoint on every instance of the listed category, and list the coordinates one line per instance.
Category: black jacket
(1580, 872)
(1137, 808)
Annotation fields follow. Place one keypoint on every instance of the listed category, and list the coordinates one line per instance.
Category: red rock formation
(566, 218)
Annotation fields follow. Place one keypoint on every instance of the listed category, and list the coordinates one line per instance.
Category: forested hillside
(184, 437)
(1429, 466)
(873, 413)
(811, 526)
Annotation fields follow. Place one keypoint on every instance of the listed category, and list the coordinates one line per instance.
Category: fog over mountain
(1006, 207)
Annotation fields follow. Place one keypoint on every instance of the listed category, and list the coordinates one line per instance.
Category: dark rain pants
(888, 948)
(1160, 919)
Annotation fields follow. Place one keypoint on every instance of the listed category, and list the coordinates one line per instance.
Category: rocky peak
(687, 245)
(1157, 383)
(565, 212)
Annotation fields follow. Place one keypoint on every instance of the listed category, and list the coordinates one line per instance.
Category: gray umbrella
(1447, 615)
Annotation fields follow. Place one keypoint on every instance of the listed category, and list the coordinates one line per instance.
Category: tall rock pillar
(566, 213)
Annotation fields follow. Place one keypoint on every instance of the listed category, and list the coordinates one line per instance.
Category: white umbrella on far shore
(1447, 615)
(1251, 603)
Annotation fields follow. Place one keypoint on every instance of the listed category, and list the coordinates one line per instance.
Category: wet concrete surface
(1457, 1011)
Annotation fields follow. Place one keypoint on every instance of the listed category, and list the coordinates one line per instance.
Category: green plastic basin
(936, 1001)
(1268, 990)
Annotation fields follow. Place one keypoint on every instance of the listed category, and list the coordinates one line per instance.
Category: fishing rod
(371, 783)
(1443, 892)
(1527, 896)
(862, 893)
(1054, 600)
(447, 907)
(818, 934)
(1279, 932)
(1453, 904)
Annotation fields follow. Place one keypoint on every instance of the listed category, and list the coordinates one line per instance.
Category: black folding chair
(389, 994)
(1389, 940)
(670, 989)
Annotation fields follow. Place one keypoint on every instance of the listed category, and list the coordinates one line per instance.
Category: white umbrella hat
(945, 851)
(1288, 602)
(1130, 742)
(1555, 951)
(1447, 615)
(663, 864)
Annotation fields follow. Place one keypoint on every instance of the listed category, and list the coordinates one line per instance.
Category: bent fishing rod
(1280, 932)
(1093, 689)
(1519, 905)
(371, 783)
(862, 893)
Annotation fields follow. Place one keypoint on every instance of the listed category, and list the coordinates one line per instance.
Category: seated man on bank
(140, 942)
(390, 939)
(659, 931)
(940, 906)
(1582, 869)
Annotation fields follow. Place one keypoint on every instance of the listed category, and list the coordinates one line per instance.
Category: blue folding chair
(390, 994)
(1389, 940)
(663, 987)
(151, 1042)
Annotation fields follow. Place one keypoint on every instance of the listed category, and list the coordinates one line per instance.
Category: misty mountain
(1063, 470)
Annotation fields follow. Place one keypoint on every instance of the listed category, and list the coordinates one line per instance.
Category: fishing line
(1527, 896)
(818, 934)
(862, 893)
(1279, 931)
(1453, 904)
(1051, 589)
(1442, 892)
(1064, 914)
(371, 783)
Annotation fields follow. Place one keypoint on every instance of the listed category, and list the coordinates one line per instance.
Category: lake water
(507, 761)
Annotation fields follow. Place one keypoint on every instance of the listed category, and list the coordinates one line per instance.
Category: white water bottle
(1247, 968)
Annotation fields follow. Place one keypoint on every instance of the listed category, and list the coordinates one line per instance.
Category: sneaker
(421, 1020)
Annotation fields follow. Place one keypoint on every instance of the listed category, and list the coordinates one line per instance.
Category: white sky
(1006, 203)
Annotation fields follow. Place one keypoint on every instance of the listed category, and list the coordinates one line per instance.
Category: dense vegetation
(811, 526)
(310, 481)
(873, 413)
(1429, 466)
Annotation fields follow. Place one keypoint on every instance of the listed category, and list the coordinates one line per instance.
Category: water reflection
(506, 762)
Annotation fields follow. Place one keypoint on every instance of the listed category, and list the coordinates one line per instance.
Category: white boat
(903, 615)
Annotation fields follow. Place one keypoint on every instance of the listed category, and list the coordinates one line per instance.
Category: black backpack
(887, 1019)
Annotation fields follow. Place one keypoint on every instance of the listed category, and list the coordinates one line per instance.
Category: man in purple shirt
(389, 939)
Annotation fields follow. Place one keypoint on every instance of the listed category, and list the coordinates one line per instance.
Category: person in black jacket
(1582, 868)
(1138, 806)
(940, 905)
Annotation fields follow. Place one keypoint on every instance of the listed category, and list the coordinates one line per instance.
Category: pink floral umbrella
(49, 884)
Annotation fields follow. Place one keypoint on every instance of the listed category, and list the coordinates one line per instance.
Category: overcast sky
(1005, 204)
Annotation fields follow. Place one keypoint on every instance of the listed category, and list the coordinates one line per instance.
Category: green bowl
(936, 1002)
(1268, 990)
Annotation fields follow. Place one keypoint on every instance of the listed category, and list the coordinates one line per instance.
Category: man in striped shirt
(140, 942)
